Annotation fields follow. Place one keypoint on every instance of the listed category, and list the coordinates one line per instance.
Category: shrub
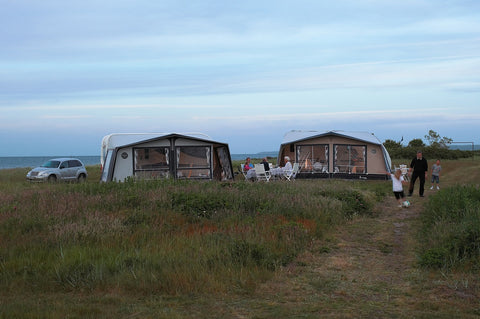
(434, 257)
(450, 230)
(353, 201)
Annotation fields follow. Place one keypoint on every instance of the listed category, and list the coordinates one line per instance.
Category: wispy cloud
(226, 66)
(65, 117)
(377, 115)
(464, 86)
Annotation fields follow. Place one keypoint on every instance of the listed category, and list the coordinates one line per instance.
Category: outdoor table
(276, 171)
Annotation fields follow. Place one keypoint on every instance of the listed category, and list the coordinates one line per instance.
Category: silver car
(59, 169)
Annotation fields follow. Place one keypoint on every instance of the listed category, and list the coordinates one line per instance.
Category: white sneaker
(438, 187)
(431, 187)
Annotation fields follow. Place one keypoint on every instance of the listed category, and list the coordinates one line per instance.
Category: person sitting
(265, 164)
(288, 165)
(248, 165)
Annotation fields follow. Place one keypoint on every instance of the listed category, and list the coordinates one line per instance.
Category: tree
(392, 145)
(435, 141)
(393, 148)
(438, 148)
(416, 143)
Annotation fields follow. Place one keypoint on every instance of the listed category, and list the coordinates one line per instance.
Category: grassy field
(183, 249)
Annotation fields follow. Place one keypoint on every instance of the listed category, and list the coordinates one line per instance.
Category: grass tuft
(450, 230)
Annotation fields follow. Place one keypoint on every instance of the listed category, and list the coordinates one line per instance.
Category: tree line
(437, 147)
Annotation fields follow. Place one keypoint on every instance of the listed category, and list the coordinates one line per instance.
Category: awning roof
(192, 136)
(297, 136)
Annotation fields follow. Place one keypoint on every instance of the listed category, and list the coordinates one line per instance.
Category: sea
(34, 161)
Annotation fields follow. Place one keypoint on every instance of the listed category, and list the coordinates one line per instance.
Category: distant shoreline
(7, 162)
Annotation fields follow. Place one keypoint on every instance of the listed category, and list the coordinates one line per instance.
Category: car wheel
(82, 178)
(52, 179)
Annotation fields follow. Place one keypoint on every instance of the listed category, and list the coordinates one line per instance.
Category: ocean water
(236, 157)
(34, 161)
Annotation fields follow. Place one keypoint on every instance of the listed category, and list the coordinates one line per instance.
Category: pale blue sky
(244, 73)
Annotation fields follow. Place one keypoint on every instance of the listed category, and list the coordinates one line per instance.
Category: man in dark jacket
(419, 166)
(265, 163)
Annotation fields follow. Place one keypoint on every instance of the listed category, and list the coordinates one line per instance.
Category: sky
(242, 72)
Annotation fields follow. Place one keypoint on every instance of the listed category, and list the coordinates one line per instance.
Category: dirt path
(361, 270)
(367, 269)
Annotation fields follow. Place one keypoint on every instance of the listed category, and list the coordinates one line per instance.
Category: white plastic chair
(289, 175)
(404, 170)
(244, 172)
(262, 174)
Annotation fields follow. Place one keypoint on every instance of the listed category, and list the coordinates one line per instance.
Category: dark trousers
(421, 176)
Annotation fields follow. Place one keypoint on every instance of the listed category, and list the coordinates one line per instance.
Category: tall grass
(167, 237)
(450, 230)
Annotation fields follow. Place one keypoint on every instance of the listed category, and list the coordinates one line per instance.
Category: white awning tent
(164, 155)
(111, 141)
(342, 154)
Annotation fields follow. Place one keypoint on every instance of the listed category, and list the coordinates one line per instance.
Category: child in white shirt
(397, 183)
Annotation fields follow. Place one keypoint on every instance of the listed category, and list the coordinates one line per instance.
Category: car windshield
(51, 164)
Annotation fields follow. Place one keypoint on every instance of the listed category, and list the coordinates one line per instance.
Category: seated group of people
(276, 171)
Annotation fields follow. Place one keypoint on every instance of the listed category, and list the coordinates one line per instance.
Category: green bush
(198, 204)
(434, 257)
(353, 201)
(450, 230)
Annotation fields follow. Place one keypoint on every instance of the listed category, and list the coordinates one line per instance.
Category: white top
(397, 183)
(287, 167)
